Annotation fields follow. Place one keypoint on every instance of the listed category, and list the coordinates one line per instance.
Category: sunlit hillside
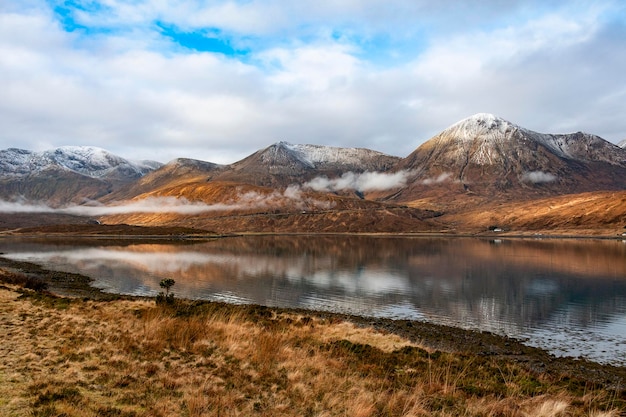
(228, 207)
(587, 213)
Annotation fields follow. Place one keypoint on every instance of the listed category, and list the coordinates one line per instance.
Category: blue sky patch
(65, 12)
(205, 40)
(65, 15)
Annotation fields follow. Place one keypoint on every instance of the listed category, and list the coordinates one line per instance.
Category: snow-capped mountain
(483, 137)
(485, 152)
(65, 175)
(85, 160)
(622, 144)
(283, 163)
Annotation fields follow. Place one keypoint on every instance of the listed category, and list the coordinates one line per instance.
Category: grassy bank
(131, 357)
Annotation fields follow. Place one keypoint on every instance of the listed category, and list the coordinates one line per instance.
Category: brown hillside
(588, 213)
(11, 221)
(369, 220)
(235, 207)
(179, 171)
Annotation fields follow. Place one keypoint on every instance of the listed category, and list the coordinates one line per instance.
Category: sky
(219, 80)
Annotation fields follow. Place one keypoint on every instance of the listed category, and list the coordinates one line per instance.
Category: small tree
(168, 298)
(167, 283)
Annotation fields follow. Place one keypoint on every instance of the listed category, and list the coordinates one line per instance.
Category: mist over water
(568, 296)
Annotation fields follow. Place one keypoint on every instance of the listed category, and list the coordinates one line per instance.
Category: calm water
(567, 296)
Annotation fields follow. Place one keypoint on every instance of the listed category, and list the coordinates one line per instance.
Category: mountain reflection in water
(568, 296)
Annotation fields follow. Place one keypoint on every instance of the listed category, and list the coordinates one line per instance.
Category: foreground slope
(136, 359)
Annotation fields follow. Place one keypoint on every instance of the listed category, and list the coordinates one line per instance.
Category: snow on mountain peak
(622, 144)
(478, 135)
(484, 119)
(481, 124)
(313, 155)
(485, 136)
(86, 160)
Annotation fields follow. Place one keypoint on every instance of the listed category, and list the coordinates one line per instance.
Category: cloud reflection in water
(573, 289)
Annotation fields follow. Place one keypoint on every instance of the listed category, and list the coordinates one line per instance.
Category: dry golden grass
(62, 357)
(592, 213)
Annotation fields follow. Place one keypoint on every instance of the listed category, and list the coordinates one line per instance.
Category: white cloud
(14, 207)
(539, 177)
(445, 176)
(387, 76)
(367, 181)
(290, 198)
(311, 68)
(148, 205)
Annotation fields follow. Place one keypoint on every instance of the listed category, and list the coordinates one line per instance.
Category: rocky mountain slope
(69, 174)
(265, 192)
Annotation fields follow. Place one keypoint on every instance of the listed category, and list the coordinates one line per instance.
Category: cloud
(385, 76)
(439, 179)
(291, 197)
(15, 207)
(148, 205)
(538, 177)
(367, 181)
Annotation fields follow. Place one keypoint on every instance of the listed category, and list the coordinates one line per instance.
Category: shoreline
(7, 234)
(434, 336)
(72, 350)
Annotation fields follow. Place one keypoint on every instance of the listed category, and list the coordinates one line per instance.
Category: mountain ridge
(472, 166)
